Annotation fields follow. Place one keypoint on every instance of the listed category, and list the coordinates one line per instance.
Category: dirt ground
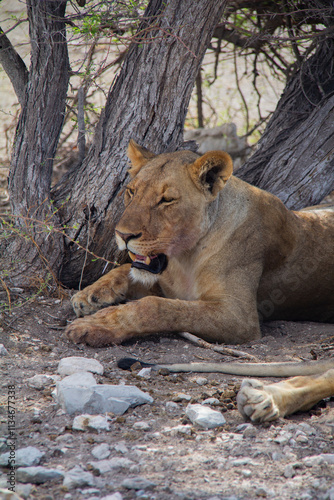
(266, 461)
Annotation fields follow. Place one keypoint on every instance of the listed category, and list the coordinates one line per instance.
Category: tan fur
(261, 403)
(236, 256)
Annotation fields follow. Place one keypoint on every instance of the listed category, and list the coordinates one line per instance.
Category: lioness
(211, 255)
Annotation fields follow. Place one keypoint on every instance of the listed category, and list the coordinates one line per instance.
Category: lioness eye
(165, 200)
(130, 192)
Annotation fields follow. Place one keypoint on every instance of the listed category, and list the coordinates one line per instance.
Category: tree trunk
(148, 102)
(14, 66)
(295, 156)
(35, 144)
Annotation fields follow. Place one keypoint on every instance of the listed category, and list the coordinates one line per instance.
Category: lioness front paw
(256, 403)
(107, 291)
(81, 331)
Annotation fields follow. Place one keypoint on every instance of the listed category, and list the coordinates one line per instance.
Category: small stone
(38, 475)
(179, 429)
(92, 422)
(313, 461)
(41, 381)
(302, 439)
(23, 490)
(211, 402)
(246, 473)
(114, 496)
(77, 478)
(201, 380)
(142, 426)
(180, 396)
(277, 456)
(283, 437)
(87, 492)
(328, 458)
(239, 462)
(329, 494)
(116, 463)
(24, 457)
(250, 431)
(121, 448)
(289, 471)
(74, 364)
(138, 483)
(145, 372)
(3, 350)
(101, 451)
(261, 492)
(65, 438)
(308, 429)
(172, 406)
(8, 495)
(204, 416)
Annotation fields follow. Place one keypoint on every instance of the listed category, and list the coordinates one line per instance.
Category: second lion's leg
(260, 402)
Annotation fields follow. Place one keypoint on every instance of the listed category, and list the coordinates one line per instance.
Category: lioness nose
(126, 237)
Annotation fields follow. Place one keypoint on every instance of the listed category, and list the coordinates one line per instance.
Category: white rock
(24, 457)
(138, 483)
(101, 451)
(114, 496)
(289, 471)
(3, 350)
(201, 380)
(142, 426)
(250, 431)
(211, 402)
(301, 438)
(179, 429)
(116, 463)
(313, 461)
(145, 372)
(74, 364)
(23, 490)
(77, 478)
(121, 448)
(37, 475)
(40, 381)
(308, 429)
(283, 437)
(239, 462)
(204, 416)
(93, 422)
(328, 458)
(80, 393)
(180, 396)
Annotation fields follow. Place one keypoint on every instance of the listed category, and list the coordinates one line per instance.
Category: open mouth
(154, 263)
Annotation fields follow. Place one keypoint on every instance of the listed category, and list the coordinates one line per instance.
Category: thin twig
(217, 348)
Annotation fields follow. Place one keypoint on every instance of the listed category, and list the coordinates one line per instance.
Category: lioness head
(167, 205)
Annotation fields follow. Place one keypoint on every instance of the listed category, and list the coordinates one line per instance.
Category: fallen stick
(218, 348)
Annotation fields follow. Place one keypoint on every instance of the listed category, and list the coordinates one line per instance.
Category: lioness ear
(139, 156)
(211, 171)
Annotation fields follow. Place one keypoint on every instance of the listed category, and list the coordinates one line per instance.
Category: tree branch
(14, 66)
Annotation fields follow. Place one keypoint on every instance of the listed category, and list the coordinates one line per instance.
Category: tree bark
(35, 144)
(14, 66)
(148, 102)
(295, 156)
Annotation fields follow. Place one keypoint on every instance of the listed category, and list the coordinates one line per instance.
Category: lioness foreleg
(261, 403)
(113, 288)
(209, 320)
